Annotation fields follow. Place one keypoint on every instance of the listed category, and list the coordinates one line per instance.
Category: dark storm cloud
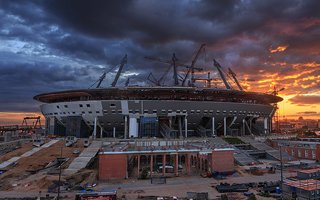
(308, 113)
(303, 99)
(52, 45)
(20, 82)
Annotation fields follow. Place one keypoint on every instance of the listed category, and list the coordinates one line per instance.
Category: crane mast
(235, 79)
(191, 69)
(175, 64)
(124, 61)
(219, 68)
(175, 73)
(102, 77)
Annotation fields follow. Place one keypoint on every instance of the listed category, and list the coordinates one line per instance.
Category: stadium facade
(169, 112)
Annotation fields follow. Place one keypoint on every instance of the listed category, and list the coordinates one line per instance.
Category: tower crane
(175, 73)
(235, 78)
(155, 81)
(219, 68)
(276, 109)
(276, 91)
(127, 82)
(192, 68)
(172, 62)
(124, 61)
(103, 76)
(208, 80)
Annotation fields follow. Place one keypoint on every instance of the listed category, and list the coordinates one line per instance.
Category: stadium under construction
(177, 111)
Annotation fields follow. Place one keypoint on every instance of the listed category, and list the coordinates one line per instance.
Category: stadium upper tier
(159, 93)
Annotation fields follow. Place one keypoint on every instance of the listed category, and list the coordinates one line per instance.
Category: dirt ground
(19, 181)
(17, 152)
(21, 177)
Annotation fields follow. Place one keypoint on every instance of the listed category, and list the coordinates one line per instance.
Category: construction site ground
(28, 174)
(18, 152)
(19, 181)
(177, 186)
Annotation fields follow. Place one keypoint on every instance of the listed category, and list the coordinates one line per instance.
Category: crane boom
(171, 62)
(124, 61)
(175, 73)
(127, 82)
(102, 77)
(152, 79)
(235, 79)
(218, 66)
(175, 64)
(191, 69)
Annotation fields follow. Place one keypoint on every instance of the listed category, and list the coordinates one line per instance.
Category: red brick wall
(112, 166)
(309, 152)
(222, 161)
(318, 152)
(303, 152)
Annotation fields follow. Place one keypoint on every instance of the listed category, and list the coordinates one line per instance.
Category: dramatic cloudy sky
(55, 45)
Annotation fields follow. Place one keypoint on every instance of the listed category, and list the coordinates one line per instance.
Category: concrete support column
(125, 127)
(138, 166)
(243, 127)
(176, 164)
(270, 124)
(95, 128)
(185, 127)
(151, 165)
(225, 126)
(101, 132)
(188, 163)
(127, 173)
(265, 125)
(163, 164)
(180, 126)
(213, 127)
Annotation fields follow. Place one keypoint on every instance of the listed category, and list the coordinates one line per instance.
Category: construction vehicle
(70, 140)
(86, 142)
(38, 142)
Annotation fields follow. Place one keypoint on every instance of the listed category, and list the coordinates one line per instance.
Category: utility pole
(59, 182)
(281, 168)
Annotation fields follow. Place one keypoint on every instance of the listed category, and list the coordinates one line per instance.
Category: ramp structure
(83, 159)
(274, 153)
(241, 157)
(26, 154)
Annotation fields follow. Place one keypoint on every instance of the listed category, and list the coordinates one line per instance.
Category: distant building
(288, 125)
(301, 189)
(308, 174)
(299, 149)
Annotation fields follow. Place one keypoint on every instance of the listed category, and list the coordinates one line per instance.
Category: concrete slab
(275, 153)
(83, 159)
